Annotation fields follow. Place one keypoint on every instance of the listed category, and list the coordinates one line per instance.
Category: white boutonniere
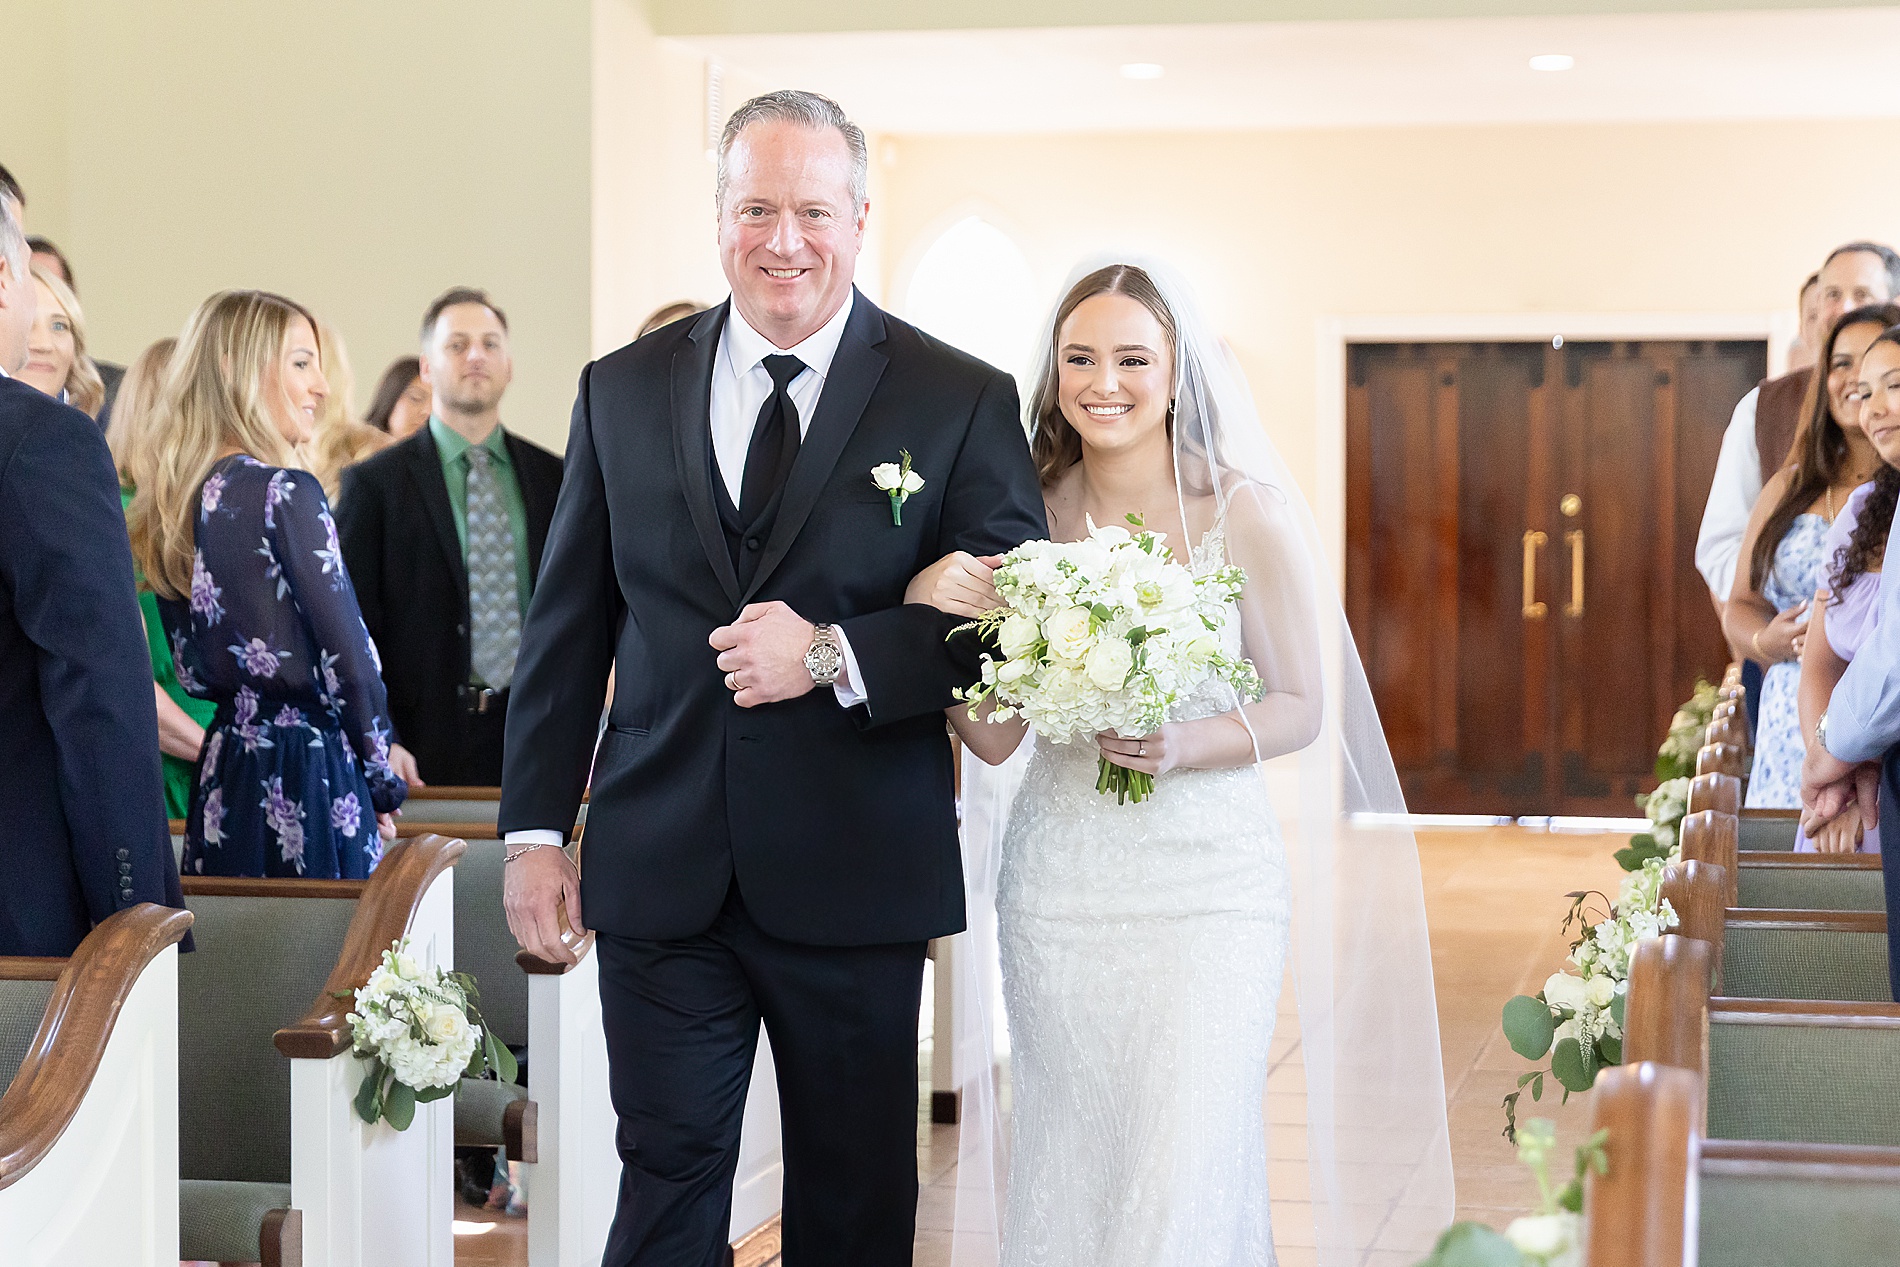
(897, 481)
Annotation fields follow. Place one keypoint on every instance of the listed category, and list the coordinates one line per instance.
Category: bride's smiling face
(1114, 373)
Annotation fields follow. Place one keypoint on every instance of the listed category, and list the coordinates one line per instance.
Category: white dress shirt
(1732, 497)
(740, 387)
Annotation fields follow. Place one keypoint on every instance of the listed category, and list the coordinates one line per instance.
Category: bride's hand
(957, 583)
(1151, 754)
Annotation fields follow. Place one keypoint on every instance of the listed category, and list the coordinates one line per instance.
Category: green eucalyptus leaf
(1573, 1066)
(399, 1106)
(1609, 1050)
(368, 1103)
(1618, 1008)
(502, 1061)
(1473, 1245)
(431, 1094)
(1528, 1026)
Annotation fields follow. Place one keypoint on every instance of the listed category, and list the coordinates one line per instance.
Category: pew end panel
(1713, 838)
(1723, 758)
(1667, 1009)
(1698, 893)
(89, 1118)
(1719, 792)
(1641, 1212)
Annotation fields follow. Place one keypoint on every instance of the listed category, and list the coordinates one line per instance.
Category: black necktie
(775, 437)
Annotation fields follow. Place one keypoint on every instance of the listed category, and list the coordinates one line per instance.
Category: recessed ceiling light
(1553, 61)
(1142, 70)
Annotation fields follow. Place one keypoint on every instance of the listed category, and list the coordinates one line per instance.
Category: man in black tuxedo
(771, 835)
(85, 832)
(443, 535)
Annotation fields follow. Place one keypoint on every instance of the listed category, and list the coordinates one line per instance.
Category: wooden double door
(1521, 524)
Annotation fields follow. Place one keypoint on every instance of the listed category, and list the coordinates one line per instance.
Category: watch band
(824, 660)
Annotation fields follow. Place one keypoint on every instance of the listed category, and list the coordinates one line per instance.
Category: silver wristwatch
(825, 658)
(1820, 732)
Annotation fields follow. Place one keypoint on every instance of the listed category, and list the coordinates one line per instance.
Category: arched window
(974, 290)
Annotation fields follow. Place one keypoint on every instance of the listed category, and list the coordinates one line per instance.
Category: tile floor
(1494, 899)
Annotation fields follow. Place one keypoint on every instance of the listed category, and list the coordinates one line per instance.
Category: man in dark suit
(85, 832)
(443, 534)
(772, 836)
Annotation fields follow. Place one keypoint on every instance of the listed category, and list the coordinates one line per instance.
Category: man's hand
(1826, 787)
(534, 889)
(762, 654)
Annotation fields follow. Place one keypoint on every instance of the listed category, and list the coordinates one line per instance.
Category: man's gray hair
(13, 239)
(790, 105)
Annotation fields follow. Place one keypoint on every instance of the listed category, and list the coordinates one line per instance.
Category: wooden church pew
(275, 1163)
(1764, 953)
(89, 1118)
(1777, 877)
(448, 804)
(1672, 1198)
(562, 1126)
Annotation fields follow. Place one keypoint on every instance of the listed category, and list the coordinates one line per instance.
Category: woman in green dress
(181, 718)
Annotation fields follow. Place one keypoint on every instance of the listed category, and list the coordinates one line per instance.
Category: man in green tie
(443, 534)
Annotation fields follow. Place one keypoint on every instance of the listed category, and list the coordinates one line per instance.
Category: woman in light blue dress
(1785, 550)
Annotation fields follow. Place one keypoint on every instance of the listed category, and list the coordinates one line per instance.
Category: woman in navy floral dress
(295, 776)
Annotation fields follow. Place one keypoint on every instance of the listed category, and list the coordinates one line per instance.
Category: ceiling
(1784, 64)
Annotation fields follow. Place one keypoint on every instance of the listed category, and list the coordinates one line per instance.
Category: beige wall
(1280, 231)
(358, 156)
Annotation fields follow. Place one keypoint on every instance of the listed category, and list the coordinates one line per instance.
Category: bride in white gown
(1142, 946)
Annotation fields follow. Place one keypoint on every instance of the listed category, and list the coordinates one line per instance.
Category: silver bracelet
(525, 850)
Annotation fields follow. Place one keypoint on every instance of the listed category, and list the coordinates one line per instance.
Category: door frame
(1333, 335)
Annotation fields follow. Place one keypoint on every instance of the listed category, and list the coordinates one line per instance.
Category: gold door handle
(1574, 538)
(1533, 542)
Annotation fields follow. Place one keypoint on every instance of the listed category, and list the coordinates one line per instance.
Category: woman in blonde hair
(295, 776)
(56, 359)
(341, 440)
(181, 717)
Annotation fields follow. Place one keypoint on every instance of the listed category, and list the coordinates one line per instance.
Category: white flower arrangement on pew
(419, 1031)
(1577, 1018)
(1103, 634)
(1552, 1237)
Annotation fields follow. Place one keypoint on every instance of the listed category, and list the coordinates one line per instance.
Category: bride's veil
(1377, 1148)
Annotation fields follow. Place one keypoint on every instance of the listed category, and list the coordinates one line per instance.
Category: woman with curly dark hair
(1844, 610)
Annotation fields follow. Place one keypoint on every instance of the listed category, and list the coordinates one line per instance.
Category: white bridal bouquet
(419, 1031)
(1103, 634)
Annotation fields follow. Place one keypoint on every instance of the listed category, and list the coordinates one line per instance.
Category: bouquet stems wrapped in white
(419, 1031)
(1103, 635)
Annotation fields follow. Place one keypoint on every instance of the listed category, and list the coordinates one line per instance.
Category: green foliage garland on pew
(1552, 1237)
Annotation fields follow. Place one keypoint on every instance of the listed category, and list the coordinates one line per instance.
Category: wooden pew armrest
(89, 990)
(384, 913)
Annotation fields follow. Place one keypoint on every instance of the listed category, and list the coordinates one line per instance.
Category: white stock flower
(1010, 671)
(1108, 663)
(1545, 1236)
(1068, 632)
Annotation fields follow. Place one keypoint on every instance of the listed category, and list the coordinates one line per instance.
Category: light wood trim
(1714, 838)
(31, 968)
(759, 1246)
(1667, 1008)
(1771, 813)
(1816, 921)
(1719, 792)
(177, 826)
(1722, 758)
(71, 1041)
(520, 1130)
(1779, 860)
(269, 886)
(1637, 1214)
(387, 907)
(1698, 893)
(280, 1240)
(1804, 1012)
(1765, 1158)
(450, 792)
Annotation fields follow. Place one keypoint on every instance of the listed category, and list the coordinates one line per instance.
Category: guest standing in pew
(443, 533)
(1762, 429)
(295, 777)
(1845, 610)
(1783, 549)
(181, 716)
(402, 402)
(56, 360)
(52, 259)
(85, 831)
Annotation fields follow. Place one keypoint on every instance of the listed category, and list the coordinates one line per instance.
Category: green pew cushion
(1767, 835)
(479, 1104)
(1820, 1084)
(219, 1220)
(484, 947)
(1811, 889)
(1786, 1221)
(22, 1008)
(1793, 963)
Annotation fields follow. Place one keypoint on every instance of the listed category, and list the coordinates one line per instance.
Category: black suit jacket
(839, 825)
(84, 832)
(399, 542)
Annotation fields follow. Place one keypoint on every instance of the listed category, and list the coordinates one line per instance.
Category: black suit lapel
(425, 468)
(855, 372)
(692, 441)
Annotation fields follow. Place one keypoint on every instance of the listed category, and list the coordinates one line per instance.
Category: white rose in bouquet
(418, 1032)
(1600, 991)
(1018, 636)
(1108, 663)
(1069, 632)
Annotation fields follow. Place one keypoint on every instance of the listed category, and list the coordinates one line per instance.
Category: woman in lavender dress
(1845, 612)
(295, 777)
(1784, 550)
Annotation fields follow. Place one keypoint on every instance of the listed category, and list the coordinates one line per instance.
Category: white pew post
(373, 1196)
(759, 1186)
(573, 1187)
